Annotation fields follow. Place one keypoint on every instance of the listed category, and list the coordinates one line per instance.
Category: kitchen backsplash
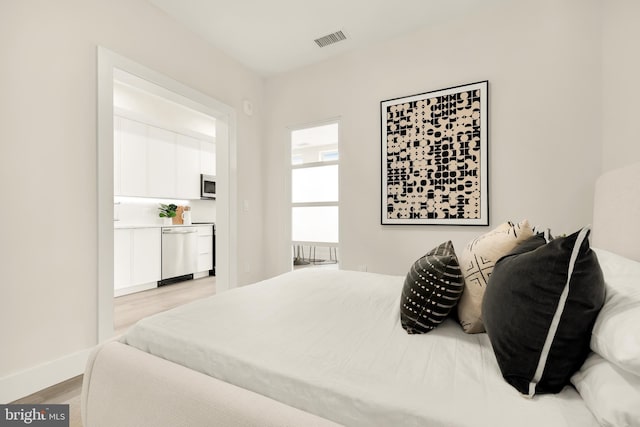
(203, 210)
(140, 211)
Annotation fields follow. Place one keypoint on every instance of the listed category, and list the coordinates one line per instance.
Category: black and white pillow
(431, 289)
(539, 310)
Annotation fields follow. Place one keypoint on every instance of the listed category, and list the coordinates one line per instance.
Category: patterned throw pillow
(477, 262)
(539, 310)
(431, 290)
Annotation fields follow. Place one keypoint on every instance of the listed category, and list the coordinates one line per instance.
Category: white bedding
(330, 342)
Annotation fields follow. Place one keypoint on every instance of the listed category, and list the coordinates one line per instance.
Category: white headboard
(616, 212)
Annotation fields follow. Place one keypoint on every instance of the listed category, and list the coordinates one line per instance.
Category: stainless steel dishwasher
(179, 254)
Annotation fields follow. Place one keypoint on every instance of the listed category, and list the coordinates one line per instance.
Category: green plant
(167, 211)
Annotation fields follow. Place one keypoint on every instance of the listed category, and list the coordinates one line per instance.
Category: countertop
(119, 224)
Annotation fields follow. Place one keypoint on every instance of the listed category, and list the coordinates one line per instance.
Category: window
(328, 156)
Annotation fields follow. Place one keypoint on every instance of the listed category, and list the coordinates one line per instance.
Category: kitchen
(164, 155)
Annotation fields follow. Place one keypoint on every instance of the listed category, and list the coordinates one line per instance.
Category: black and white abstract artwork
(434, 157)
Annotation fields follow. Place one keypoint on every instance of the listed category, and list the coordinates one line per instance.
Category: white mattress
(330, 342)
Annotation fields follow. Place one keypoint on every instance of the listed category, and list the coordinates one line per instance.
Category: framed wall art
(434, 157)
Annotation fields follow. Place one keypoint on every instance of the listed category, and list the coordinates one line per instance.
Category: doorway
(315, 195)
(108, 64)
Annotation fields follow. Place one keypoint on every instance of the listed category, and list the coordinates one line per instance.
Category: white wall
(621, 89)
(542, 60)
(48, 160)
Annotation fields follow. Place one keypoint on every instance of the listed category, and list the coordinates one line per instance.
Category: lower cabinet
(137, 259)
(205, 248)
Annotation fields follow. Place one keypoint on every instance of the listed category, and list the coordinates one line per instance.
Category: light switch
(245, 205)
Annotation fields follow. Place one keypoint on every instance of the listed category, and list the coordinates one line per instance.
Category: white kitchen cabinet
(161, 155)
(133, 158)
(205, 248)
(187, 167)
(146, 255)
(117, 142)
(207, 158)
(137, 259)
(122, 259)
(153, 162)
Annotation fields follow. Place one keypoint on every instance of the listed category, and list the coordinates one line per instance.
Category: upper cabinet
(154, 162)
(117, 163)
(188, 167)
(207, 158)
(132, 145)
(161, 163)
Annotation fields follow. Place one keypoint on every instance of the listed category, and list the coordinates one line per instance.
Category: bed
(326, 347)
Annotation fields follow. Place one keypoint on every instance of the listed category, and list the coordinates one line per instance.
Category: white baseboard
(136, 288)
(20, 384)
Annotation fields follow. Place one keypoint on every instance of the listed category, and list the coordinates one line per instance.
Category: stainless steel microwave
(207, 186)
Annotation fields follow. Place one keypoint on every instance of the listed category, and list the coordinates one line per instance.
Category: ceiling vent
(330, 39)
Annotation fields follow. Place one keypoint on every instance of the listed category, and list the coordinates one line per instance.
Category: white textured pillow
(611, 394)
(477, 262)
(616, 333)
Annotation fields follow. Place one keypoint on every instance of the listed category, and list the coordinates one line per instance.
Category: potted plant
(167, 212)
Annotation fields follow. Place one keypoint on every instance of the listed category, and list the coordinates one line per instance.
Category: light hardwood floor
(128, 309)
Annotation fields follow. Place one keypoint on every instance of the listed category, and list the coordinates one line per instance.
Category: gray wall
(621, 88)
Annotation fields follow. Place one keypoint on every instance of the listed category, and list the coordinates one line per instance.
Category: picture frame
(434, 164)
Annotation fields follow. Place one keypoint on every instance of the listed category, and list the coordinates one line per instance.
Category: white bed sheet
(330, 342)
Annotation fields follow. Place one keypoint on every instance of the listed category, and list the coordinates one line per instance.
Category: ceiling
(274, 36)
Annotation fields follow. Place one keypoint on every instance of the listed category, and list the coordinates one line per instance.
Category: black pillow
(539, 308)
(432, 288)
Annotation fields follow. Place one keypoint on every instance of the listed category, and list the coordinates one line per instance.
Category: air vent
(330, 39)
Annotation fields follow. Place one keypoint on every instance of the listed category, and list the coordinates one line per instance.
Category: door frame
(288, 182)
(226, 173)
